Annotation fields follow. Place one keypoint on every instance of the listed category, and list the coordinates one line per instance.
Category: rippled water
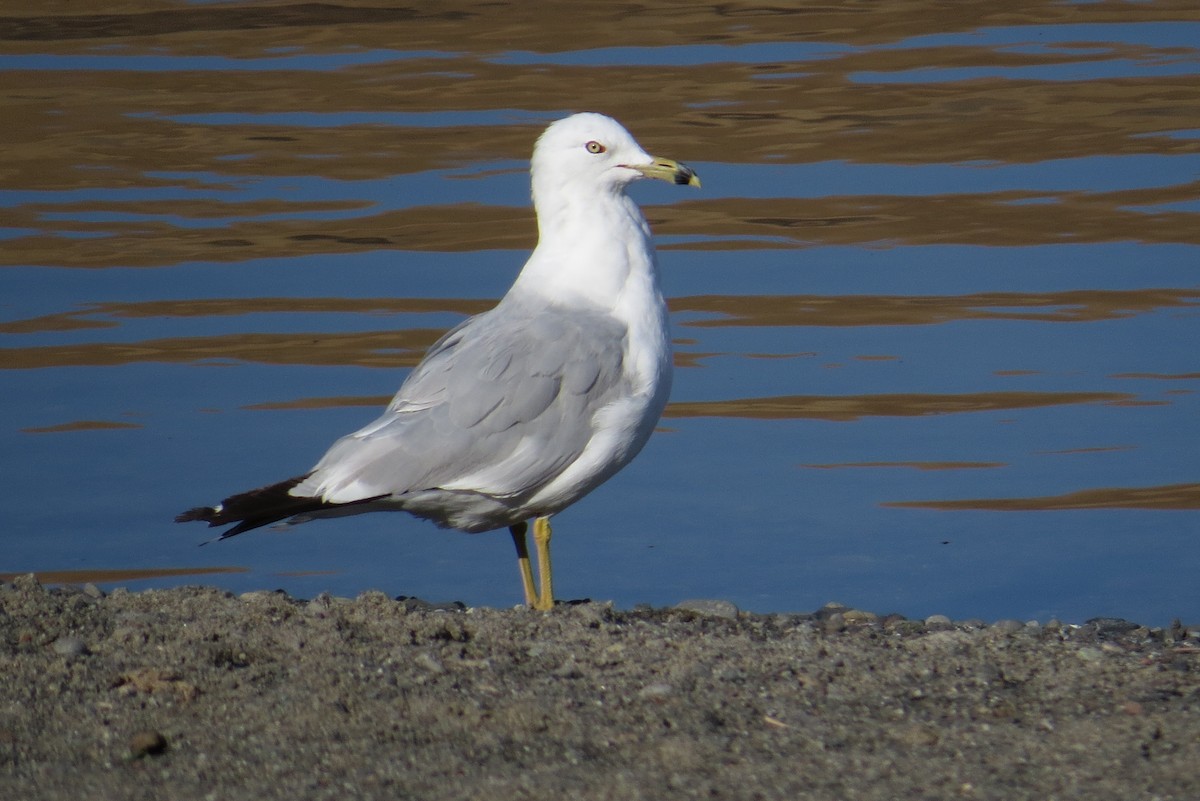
(936, 308)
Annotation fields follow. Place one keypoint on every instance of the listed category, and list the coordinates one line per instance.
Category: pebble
(257, 596)
(412, 604)
(834, 623)
(938, 623)
(429, 662)
(918, 734)
(592, 614)
(320, 606)
(903, 626)
(1009, 626)
(1111, 625)
(148, 742)
(656, 692)
(831, 608)
(568, 670)
(69, 647)
(721, 609)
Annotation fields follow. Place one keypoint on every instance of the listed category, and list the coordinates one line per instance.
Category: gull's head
(594, 153)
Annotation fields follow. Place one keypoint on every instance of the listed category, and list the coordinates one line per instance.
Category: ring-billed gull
(518, 412)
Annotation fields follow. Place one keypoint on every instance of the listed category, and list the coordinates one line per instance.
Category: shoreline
(194, 693)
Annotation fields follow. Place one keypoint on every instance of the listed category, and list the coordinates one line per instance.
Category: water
(935, 309)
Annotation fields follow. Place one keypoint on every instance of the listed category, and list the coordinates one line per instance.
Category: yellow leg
(543, 599)
(541, 541)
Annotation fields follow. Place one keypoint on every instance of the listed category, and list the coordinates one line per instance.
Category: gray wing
(500, 405)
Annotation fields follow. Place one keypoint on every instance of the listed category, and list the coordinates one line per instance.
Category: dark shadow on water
(119, 574)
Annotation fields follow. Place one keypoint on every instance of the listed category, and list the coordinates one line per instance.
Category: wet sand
(193, 693)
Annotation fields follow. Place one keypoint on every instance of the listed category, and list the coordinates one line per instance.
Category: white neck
(579, 254)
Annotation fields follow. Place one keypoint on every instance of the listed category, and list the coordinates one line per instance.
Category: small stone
(320, 606)
(730, 673)
(27, 583)
(92, 591)
(831, 608)
(592, 614)
(918, 734)
(938, 623)
(69, 647)
(858, 617)
(1111, 626)
(897, 624)
(412, 604)
(1008, 626)
(429, 662)
(656, 692)
(721, 609)
(1132, 708)
(834, 623)
(148, 742)
(568, 670)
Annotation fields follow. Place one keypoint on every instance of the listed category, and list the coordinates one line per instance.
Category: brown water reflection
(222, 307)
(1072, 306)
(98, 576)
(401, 347)
(81, 425)
(340, 401)
(853, 407)
(800, 109)
(250, 28)
(1170, 496)
(83, 129)
(911, 465)
(812, 407)
(894, 123)
(995, 219)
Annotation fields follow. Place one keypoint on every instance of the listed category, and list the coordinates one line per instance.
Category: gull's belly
(620, 429)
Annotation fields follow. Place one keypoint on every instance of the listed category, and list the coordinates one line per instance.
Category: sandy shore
(193, 693)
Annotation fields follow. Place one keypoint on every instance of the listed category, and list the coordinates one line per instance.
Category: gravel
(193, 693)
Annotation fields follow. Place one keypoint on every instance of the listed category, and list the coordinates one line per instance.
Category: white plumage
(520, 411)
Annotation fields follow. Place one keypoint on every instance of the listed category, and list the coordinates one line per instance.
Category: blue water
(148, 364)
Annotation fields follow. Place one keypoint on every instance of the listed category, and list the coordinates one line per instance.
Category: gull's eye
(594, 147)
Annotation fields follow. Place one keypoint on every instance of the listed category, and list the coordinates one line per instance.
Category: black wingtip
(261, 507)
(205, 513)
(252, 509)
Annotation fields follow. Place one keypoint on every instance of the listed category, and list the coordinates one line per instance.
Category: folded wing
(499, 406)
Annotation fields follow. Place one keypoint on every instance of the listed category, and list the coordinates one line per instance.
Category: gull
(518, 412)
